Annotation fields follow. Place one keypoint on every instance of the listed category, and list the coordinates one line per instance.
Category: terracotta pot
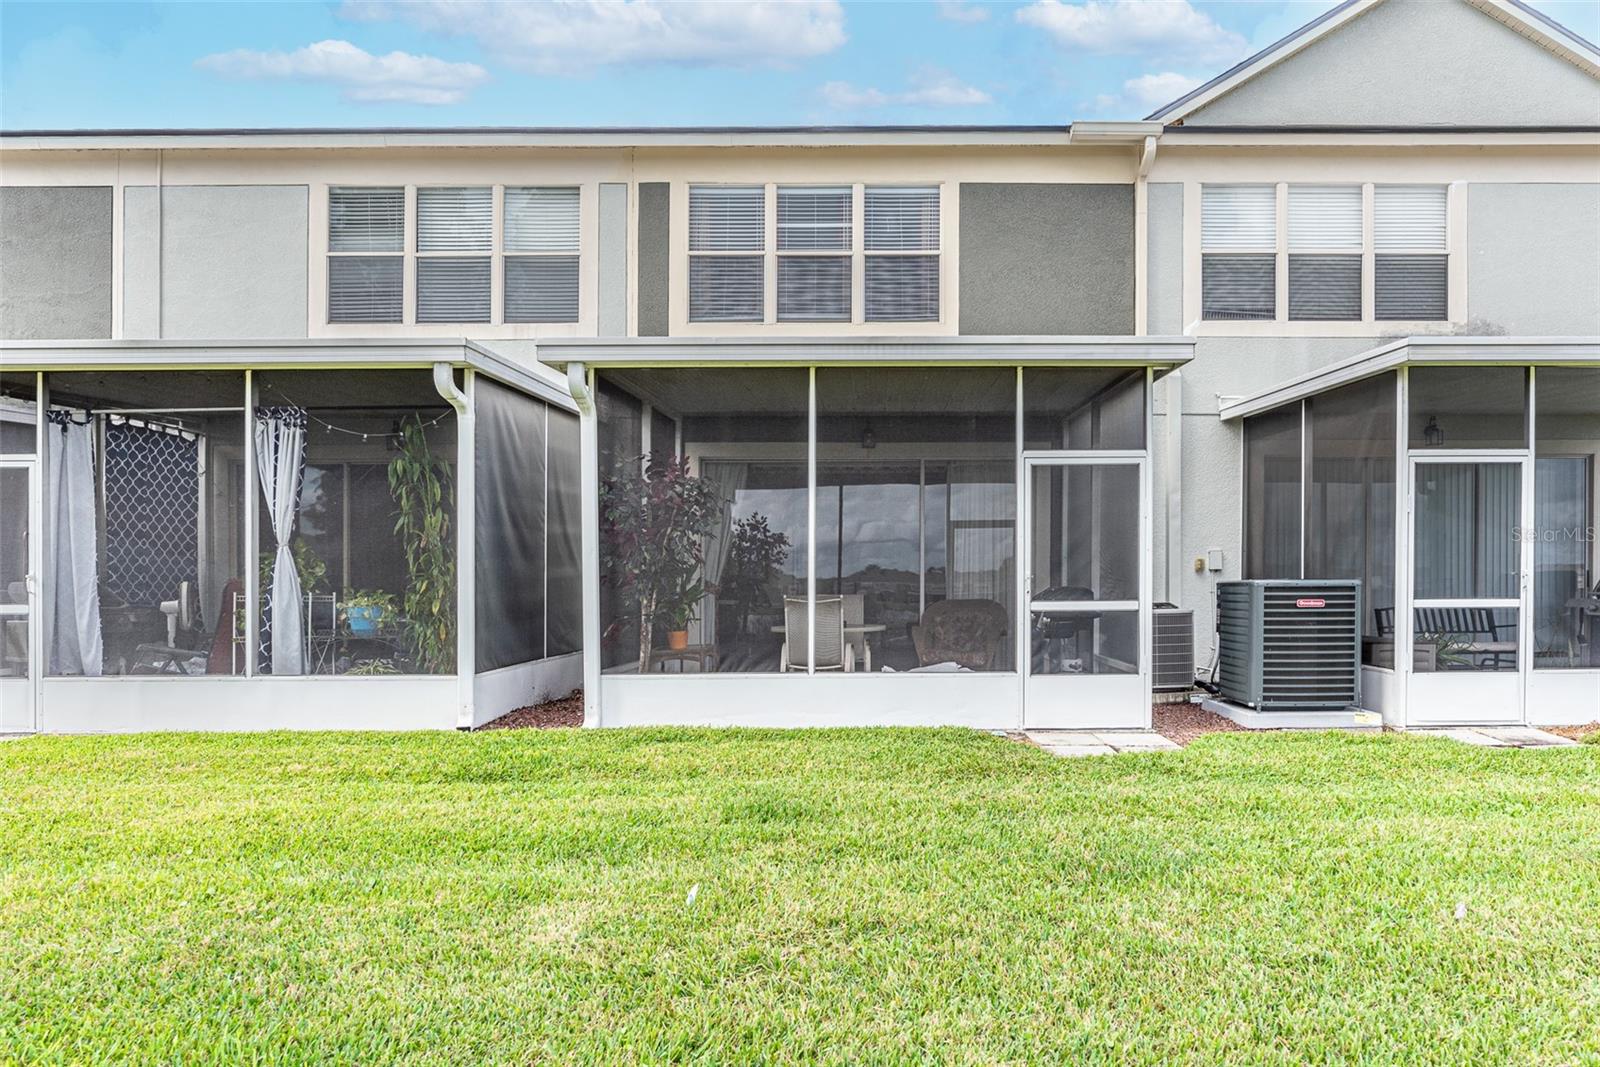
(677, 640)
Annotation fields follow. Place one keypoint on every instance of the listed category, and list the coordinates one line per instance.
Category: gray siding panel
(1533, 258)
(1164, 299)
(613, 270)
(1039, 258)
(233, 261)
(55, 262)
(1415, 62)
(655, 255)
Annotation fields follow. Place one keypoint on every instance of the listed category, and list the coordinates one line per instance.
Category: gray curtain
(75, 644)
(280, 461)
(728, 478)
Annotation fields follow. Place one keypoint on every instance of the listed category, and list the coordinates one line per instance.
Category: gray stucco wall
(613, 269)
(233, 261)
(55, 262)
(1040, 258)
(655, 255)
(1164, 271)
(1415, 62)
(1533, 257)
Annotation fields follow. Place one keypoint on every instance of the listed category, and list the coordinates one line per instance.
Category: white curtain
(728, 479)
(75, 645)
(280, 460)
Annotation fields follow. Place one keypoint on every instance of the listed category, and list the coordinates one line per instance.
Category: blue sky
(623, 62)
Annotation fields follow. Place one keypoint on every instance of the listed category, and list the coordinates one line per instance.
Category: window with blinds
(366, 242)
(1238, 251)
(901, 243)
(540, 242)
(452, 287)
(1325, 252)
(726, 222)
(814, 286)
(1411, 258)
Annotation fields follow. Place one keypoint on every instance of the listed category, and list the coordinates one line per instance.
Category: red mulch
(552, 714)
(1575, 733)
(1185, 722)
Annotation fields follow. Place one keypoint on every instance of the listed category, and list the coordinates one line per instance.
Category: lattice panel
(152, 501)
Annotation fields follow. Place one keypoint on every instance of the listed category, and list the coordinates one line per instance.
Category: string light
(328, 427)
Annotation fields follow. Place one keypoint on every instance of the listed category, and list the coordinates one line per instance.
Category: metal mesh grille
(152, 507)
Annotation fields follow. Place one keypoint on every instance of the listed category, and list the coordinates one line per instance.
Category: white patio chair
(833, 651)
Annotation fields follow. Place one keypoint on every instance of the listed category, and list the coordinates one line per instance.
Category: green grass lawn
(864, 897)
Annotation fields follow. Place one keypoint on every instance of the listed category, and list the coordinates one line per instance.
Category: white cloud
(955, 11)
(1147, 92)
(576, 36)
(1171, 29)
(398, 77)
(929, 87)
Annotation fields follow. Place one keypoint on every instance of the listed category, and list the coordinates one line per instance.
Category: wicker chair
(834, 653)
(967, 632)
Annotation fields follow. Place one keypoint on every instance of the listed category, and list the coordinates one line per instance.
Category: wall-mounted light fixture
(1432, 434)
(868, 438)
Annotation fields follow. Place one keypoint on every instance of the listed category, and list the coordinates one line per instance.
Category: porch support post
(1404, 641)
(580, 383)
(466, 535)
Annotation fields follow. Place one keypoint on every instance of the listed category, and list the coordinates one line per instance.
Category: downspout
(444, 381)
(578, 386)
(1141, 239)
(589, 482)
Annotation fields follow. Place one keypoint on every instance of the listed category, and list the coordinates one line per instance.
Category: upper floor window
(366, 239)
(1311, 253)
(459, 236)
(832, 253)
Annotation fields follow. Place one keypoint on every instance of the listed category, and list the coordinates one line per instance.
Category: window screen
(454, 288)
(1238, 241)
(725, 288)
(509, 504)
(814, 218)
(1324, 221)
(1411, 265)
(727, 219)
(814, 288)
(902, 288)
(541, 254)
(1238, 287)
(363, 285)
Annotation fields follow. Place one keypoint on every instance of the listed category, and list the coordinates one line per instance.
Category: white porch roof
(357, 353)
(1420, 351)
(1163, 353)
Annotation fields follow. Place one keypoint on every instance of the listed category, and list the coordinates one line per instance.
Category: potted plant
(364, 610)
(676, 610)
(755, 553)
(654, 526)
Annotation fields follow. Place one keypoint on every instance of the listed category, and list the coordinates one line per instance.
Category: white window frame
(1281, 324)
(857, 254)
(329, 253)
(409, 254)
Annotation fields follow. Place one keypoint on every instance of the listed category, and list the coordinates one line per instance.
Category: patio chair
(967, 632)
(834, 653)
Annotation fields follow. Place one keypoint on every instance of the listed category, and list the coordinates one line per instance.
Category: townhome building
(406, 428)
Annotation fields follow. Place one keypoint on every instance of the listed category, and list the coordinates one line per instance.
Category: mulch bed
(551, 715)
(1185, 722)
(1575, 733)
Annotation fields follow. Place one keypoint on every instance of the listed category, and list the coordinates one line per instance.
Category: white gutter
(444, 380)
